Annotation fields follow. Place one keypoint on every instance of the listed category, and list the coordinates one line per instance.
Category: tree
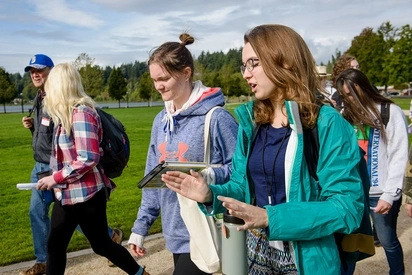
(82, 60)
(29, 91)
(106, 72)
(370, 50)
(7, 88)
(224, 73)
(388, 31)
(238, 85)
(17, 79)
(130, 87)
(146, 89)
(211, 79)
(92, 75)
(400, 63)
(389, 34)
(330, 64)
(93, 79)
(199, 70)
(117, 85)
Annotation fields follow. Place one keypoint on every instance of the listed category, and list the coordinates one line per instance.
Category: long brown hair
(288, 63)
(174, 57)
(360, 100)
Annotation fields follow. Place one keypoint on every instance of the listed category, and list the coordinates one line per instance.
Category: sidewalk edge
(70, 255)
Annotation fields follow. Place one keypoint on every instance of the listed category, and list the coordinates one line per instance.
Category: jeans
(385, 225)
(350, 269)
(39, 216)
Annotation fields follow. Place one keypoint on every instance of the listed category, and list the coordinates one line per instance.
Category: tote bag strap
(207, 134)
(204, 234)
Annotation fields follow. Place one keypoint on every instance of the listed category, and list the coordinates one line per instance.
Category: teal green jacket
(313, 210)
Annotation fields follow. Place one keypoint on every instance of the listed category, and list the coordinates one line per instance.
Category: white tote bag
(205, 231)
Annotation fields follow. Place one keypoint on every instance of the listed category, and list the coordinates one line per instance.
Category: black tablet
(154, 178)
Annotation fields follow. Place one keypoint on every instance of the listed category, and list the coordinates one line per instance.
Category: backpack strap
(311, 152)
(311, 149)
(36, 99)
(385, 113)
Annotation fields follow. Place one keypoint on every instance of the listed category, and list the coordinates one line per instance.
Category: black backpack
(115, 144)
(359, 244)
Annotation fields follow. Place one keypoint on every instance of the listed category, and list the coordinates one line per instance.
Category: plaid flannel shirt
(76, 157)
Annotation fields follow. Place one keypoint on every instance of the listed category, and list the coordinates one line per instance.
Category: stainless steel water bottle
(234, 252)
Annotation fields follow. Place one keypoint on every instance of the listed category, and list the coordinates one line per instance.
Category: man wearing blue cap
(41, 127)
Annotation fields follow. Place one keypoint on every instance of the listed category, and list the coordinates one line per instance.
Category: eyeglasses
(250, 64)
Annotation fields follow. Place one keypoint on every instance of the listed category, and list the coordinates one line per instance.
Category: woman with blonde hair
(290, 218)
(82, 185)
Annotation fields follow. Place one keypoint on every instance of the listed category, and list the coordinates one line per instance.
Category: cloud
(123, 31)
(63, 12)
(161, 6)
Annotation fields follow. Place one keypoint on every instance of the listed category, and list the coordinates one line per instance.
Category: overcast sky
(123, 31)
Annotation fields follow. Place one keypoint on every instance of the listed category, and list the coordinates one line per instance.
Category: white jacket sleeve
(397, 154)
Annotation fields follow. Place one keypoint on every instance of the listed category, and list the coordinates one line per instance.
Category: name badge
(45, 121)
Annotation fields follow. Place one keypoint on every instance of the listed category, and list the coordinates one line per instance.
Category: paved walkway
(159, 261)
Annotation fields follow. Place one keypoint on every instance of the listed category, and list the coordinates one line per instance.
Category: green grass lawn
(404, 103)
(17, 163)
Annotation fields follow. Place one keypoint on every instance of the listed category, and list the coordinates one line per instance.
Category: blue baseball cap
(39, 61)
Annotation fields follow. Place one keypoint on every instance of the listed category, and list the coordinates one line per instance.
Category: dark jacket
(42, 132)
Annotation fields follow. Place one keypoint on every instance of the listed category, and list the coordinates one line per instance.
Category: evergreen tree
(146, 89)
(117, 85)
(106, 74)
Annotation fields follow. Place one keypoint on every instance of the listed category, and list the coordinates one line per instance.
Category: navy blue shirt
(267, 164)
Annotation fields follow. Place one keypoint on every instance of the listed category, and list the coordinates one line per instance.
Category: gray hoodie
(185, 142)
